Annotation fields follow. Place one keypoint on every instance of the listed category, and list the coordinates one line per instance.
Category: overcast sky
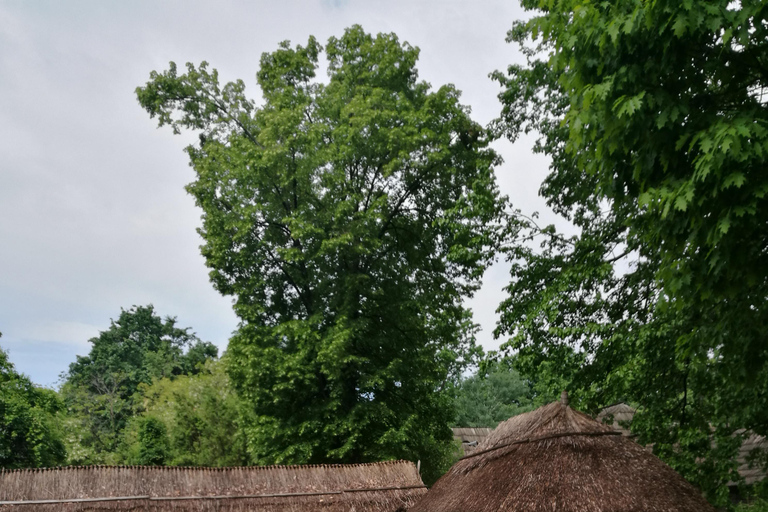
(93, 213)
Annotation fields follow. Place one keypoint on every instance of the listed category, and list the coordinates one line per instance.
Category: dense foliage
(758, 505)
(655, 119)
(348, 219)
(492, 395)
(153, 442)
(202, 420)
(29, 432)
(101, 390)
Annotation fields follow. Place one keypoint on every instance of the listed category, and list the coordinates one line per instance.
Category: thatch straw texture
(378, 487)
(555, 459)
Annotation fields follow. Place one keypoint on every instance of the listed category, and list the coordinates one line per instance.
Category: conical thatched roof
(560, 460)
(378, 487)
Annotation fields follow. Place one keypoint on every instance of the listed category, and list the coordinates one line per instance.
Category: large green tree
(29, 432)
(348, 218)
(655, 118)
(100, 389)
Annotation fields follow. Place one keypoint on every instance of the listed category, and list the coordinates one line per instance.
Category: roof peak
(554, 419)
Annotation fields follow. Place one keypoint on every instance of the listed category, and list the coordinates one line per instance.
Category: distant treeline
(151, 393)
(148, 393)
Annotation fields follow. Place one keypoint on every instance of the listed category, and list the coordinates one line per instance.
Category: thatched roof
(470, 437)
(379, 487)
(559, 459)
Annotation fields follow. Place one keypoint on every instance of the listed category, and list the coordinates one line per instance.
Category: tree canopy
(492, 395)
(655, 118)
(100, 389)
(29, 432)
(202, 417)
(348, 219)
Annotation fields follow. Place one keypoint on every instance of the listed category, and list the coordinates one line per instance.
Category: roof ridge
(541, 438)
(206, 468)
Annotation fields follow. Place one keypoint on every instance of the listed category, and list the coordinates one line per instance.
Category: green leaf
(724, 224)
(662, 119)
(680, 26)
(613, 31)
(736, 179)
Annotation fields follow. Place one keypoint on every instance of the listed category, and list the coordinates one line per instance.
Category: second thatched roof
(378, 487)
(559, 459)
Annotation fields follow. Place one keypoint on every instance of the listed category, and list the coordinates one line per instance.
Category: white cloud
(75, 334)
